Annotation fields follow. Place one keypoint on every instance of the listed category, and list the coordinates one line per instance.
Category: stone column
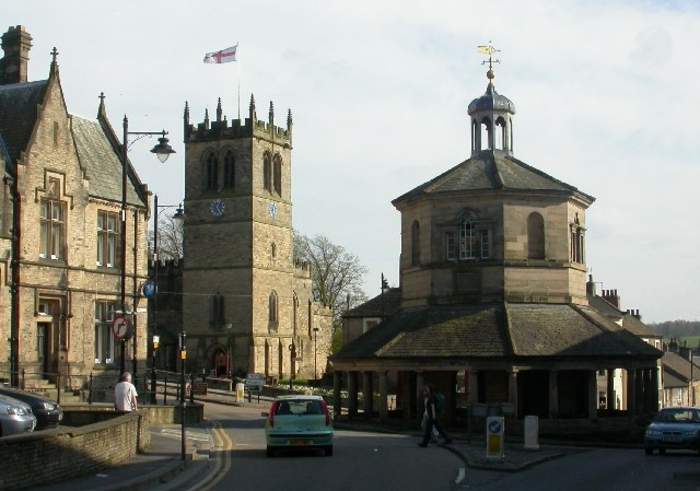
(337, 403)
(420, 382)
(611, 388)
(592, 394)
(631, 390)
(639, 391)
(553, 393)
(655, 389)
(513, 391)
(352, 394)
(367, 394)
(473, 386)
(383, 383)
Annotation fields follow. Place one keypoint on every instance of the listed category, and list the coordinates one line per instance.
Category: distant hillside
(677, 328)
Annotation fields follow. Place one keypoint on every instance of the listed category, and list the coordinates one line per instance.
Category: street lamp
(162, 151)
(178, 217)
(183, 357)
(154, 350)
(315, 336)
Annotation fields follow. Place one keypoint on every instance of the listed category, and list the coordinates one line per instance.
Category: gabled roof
(18, 113)
(604, 307)
(509, 330)
(378, 306)
(635, 325)
(491, 170)
(679, 366)
(102, 165)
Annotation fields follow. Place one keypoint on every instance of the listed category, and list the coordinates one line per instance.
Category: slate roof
(637, 327)
(604, 307)
(672, 381)
(679, 367)
(491, 101)
(102, 165)
(18, 112)
(376, 307)
(490, 170)
(497, 331)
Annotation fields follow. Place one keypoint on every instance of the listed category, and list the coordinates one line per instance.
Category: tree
(335, 272)
(170, 238)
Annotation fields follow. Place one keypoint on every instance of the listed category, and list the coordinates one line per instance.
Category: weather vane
(489, 50)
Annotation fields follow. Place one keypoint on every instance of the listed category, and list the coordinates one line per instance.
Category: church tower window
(267, 172)
(535, 236)
(212, 172)
(278, 174)
(577, 242)
(229, 170)
(415, 243)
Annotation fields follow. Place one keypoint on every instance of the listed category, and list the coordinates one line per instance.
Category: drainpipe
(14, 281)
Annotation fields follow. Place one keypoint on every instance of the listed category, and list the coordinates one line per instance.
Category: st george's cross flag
(224, 56)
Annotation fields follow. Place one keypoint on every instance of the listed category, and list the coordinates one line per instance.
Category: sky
(605, 95)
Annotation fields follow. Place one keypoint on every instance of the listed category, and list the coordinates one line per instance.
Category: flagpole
(238, 63)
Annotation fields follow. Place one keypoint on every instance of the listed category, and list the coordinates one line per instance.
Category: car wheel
(648, 450)
(328, 451)
(662, 451)
(270, 452)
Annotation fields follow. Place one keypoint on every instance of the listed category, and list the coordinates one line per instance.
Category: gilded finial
(489, 50)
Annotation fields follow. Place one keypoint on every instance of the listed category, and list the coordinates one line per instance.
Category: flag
(224, 56)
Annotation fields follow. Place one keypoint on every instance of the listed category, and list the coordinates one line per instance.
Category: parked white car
(15, 417)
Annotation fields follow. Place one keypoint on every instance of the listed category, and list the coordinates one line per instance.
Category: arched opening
(415, 243)
(273, 316)
(510, 133)
(229, 170)
(475, 134)
(501, 138)
(220, 362)
(212, 172)
(535, 236)
(267, 172)
(278, 174)
(486, 130)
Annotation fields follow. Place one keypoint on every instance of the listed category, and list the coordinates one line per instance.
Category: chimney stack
(16, 43)
(612, 297)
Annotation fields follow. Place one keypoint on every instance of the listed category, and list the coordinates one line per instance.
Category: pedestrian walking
(125, 394)
(430, 421)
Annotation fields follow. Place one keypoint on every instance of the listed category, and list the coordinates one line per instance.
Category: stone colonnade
(553, 393)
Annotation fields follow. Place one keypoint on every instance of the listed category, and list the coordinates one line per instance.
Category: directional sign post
(494, 437)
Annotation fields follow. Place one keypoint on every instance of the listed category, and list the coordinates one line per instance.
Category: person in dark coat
(430, 420)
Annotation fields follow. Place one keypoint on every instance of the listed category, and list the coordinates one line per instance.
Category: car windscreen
(299, 408)
(678, 416)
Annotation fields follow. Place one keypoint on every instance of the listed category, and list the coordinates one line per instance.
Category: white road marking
(461, 474)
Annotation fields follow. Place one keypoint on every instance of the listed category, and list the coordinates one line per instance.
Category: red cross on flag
(224, 56)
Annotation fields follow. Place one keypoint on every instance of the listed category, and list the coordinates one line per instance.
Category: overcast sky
(606, 94)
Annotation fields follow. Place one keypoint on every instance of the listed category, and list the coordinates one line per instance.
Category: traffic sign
(149, 289)
(121, 327)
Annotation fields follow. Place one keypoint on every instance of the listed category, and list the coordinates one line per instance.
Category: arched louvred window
(535, 236)
(229, 170)
(415, 243)
(278, 174)
(486, 135)
(500, 136)
(273, 315)
(212, 172)
(267, 172)
(217, 311)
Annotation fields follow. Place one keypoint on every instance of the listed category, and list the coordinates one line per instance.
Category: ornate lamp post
(162, 151)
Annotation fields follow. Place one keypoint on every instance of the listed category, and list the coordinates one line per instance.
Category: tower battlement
(220, 128)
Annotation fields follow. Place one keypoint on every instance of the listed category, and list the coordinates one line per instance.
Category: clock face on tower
(272, 210)
(216, 207)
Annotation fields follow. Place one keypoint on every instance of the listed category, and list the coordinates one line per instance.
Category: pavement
(161, 463)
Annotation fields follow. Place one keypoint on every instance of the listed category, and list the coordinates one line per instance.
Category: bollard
(90, 390)
(531, 424)
(58, 388)
(165, 390)
(23, 376)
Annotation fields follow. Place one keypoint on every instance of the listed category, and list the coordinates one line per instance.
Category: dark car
(48, 413)
(673, 427)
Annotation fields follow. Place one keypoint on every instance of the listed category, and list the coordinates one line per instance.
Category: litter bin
(240, 392)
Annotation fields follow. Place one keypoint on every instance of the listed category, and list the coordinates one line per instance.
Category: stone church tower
(246, 306)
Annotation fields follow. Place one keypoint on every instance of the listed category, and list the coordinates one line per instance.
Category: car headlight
(16, 411)
(653, 433)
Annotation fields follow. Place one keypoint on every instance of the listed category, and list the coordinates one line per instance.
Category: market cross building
(493, 290)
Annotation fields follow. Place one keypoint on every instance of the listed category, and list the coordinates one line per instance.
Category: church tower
(239, 286)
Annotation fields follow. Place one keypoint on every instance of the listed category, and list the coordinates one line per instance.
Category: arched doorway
(220, 363)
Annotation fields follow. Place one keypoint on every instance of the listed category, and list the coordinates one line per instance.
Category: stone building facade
(493, 295)
(246, 306)
(62, 188)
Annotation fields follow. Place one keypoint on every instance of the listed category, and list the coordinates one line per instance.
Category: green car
(299, 422)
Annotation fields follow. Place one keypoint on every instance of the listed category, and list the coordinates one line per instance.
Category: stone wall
(49, 456)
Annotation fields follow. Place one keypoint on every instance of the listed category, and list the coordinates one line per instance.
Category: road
(369, 461)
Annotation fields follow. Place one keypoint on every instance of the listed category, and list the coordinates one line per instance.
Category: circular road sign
(120, 327)
(149, 289)
(495, 427)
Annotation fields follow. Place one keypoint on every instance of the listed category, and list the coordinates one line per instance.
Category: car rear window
(299, 408)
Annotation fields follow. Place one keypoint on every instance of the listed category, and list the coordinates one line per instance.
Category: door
(43, 331)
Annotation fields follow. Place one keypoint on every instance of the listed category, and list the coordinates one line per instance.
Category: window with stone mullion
(104, 340)
(52, 229)
(107, 243)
